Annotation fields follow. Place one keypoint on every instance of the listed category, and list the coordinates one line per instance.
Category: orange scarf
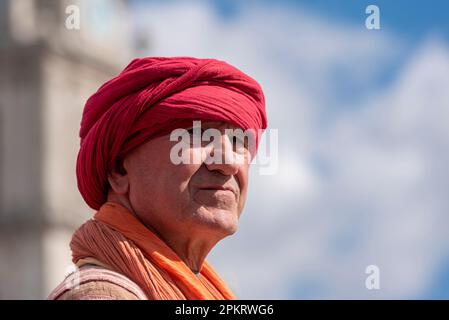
(116, 238)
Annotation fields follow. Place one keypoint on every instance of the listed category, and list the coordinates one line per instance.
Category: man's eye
(238, 142)
(196, 136)
(192, 130)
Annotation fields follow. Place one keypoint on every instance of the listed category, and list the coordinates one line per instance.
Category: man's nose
(222, 157)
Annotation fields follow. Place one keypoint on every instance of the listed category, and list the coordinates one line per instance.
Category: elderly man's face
(193, 198)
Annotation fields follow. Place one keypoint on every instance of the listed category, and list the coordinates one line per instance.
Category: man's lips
(218, 187)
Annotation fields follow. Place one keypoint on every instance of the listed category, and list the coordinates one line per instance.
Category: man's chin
(221, 221)
(228, 222)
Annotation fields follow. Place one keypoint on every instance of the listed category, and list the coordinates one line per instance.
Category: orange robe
(118, 240)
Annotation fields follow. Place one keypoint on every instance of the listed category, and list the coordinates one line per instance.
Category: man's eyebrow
(213, 124)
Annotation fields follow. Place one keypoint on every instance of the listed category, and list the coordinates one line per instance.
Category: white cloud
(391, 158)
(356, 188)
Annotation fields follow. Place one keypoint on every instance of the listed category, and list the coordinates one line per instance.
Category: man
(157, 219)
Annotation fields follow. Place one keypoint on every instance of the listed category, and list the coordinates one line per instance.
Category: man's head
(199, 197)
(128, 121)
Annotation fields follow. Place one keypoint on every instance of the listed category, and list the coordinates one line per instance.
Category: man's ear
(119, 179)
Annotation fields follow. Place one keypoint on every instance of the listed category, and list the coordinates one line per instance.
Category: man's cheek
(182, 172)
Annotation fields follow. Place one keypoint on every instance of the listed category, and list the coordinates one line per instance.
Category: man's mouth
(219, 188)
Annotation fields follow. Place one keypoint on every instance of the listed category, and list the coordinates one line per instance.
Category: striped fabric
(103, 282)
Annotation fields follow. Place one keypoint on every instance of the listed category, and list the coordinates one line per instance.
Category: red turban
(151, 97)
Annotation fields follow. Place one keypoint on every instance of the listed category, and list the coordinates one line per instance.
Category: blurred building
(47, 71)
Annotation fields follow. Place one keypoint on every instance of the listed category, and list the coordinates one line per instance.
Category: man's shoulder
(98, 290)
(97, 283)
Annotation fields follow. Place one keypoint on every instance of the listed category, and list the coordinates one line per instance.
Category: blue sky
(412, 19)
(363, 121)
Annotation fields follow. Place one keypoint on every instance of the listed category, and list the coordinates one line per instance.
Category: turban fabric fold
(150, 98)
